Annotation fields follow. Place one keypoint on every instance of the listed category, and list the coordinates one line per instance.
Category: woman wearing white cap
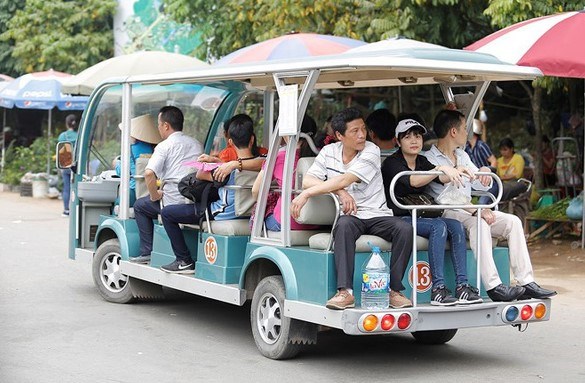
(409, 136)
(144, 136)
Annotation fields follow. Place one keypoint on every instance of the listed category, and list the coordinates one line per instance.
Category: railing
(414, 209)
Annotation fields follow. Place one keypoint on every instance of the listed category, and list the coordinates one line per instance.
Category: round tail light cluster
(385, 322)
(524, 312)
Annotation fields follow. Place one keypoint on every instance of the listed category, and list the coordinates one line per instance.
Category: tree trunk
(536, 102)
(535, 95)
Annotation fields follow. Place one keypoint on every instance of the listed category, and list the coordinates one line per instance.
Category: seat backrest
(141, 189)
(244, 201)
(319, 210)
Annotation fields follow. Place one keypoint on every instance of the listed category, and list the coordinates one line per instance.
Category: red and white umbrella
(555, 44)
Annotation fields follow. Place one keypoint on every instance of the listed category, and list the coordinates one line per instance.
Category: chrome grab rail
(415, 208)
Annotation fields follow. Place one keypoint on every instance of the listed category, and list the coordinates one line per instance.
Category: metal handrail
(415, 208)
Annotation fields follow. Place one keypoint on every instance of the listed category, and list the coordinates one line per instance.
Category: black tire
(112, 285)
(434, 336)
(270, 328)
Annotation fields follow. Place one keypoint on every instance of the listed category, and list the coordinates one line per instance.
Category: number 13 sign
(424, 276)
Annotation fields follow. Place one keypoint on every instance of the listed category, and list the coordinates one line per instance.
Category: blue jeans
(438, 230)
(145, 211)
(66, 194)
(172, 216)
(271, 223)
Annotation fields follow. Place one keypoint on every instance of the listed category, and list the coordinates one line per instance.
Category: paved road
(54, 327)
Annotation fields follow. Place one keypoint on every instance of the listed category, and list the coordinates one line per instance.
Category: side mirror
(64, 155)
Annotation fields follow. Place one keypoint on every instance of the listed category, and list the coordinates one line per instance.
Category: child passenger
(409, 136)
(273, 211)
(229, 156)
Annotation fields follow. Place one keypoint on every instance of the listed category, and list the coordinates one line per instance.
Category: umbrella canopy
(397, 42)
(4, 77)
(144, 62)
(554, 44)
(40, 90)
(292, 45)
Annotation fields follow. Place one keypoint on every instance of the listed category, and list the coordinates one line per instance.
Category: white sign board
(287, 110)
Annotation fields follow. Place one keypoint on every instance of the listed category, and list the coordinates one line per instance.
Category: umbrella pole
(49, 144)
(3, 138)
(583, 177)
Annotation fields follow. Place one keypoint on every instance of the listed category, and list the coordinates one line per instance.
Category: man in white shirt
(450, 128)
(351, 169)
(166, 163)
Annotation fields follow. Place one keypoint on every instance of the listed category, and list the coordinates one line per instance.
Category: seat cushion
(229, 227)
(320, 242)
(297, 237)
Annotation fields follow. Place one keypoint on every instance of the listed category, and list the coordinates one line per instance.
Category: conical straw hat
(142, 128)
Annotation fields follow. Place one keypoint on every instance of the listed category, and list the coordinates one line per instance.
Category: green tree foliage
(452, 23)
(66, 35)
(33, 159)
(230, 25)
(7, 63)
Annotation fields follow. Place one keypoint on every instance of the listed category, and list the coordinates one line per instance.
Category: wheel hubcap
(269, 318)
(111, 276)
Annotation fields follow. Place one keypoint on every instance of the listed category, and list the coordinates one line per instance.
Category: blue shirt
(479, 154)
(68, 136)
(136, 149)
(225, 207)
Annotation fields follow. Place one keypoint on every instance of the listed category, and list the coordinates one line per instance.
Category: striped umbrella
(290, 46)
(554, 44)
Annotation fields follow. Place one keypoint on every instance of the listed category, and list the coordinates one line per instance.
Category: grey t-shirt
(369, 193)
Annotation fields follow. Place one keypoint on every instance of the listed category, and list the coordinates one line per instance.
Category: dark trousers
(145, 211)
(172, 216)
(393, 229)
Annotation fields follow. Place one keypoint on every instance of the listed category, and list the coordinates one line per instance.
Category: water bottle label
(377, 283)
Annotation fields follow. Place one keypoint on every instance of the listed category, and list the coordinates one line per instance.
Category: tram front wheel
(112, 285)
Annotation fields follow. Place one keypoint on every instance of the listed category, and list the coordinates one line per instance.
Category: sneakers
(467, 294)
(179, 267)
(441, 296)
(140, 259)
(398, 300)
(503, 293)
(65, 213)
(533, 290)
(341, 300)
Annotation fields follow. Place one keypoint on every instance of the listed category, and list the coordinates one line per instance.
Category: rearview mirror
(64, 155)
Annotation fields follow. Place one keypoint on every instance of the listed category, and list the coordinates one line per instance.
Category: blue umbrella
(40, 90)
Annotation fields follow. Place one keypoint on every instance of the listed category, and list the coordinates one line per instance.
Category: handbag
(421, 199)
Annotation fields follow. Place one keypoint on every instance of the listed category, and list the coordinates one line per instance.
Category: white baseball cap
(406, 125)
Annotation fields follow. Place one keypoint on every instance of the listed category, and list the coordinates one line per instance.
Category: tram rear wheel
(434, 336)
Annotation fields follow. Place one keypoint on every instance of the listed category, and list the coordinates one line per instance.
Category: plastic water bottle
(375, 282)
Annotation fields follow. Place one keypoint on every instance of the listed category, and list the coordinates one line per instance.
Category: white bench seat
(298, 237)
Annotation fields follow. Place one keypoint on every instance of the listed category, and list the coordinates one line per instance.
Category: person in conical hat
(144, 136)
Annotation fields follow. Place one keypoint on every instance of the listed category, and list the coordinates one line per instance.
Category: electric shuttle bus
(287, 275)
